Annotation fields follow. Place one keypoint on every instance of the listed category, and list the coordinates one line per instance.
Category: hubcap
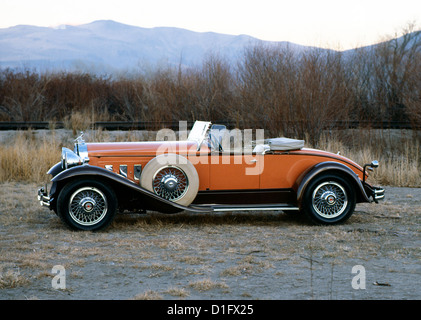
(170, 183)
(329, 200)
(329, 197)
(87, 206)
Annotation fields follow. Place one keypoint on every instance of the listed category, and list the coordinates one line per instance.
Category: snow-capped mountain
(108, 46)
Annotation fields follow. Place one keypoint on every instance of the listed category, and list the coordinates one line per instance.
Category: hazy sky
(326, 23)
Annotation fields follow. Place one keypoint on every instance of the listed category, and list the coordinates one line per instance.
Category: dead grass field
(219, 256)
(27, 155)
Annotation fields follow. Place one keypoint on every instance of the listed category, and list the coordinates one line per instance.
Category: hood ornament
(80, 139)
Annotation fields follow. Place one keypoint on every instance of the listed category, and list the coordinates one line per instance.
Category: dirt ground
(259, 255)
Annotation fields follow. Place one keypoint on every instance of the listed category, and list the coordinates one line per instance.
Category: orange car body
(211, 178)
(219, 171)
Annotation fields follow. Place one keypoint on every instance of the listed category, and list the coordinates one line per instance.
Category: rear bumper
(377, 193)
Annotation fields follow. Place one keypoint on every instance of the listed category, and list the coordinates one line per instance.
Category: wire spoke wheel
(88, 206)
(172, 177)
(329, 200)
(170, 183)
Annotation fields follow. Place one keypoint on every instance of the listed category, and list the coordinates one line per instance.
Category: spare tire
(172, 177)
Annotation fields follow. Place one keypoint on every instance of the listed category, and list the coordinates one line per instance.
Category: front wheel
(87, 205)
(329, 199)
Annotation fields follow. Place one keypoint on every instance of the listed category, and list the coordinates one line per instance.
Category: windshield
(214, 136)
(198, 132)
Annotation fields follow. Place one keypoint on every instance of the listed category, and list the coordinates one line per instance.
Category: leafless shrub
(279, 89)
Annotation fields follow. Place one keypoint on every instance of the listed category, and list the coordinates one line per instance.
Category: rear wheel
(329, 199)
(87, 205)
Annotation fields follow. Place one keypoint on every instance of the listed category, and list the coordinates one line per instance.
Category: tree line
(275, 88)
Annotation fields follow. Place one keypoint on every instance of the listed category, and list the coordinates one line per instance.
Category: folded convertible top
(285, 144)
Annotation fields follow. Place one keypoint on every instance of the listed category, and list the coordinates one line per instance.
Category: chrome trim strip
(271, 207)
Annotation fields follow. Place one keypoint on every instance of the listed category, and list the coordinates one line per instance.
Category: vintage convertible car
(96, 180)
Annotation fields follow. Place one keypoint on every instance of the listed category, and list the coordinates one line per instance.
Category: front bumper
(43, 197)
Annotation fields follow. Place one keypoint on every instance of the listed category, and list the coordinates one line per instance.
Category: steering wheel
(214, 142)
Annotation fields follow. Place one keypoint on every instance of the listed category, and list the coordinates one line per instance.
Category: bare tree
(397, 67)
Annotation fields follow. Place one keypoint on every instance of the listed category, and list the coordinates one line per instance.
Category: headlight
(69, 158)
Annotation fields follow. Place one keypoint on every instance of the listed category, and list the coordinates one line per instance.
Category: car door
(231, 171)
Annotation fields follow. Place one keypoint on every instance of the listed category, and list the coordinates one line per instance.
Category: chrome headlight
(79, 156)
(69, 158)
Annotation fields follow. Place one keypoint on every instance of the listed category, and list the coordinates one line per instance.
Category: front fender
(55, 170)
(334, 167)
(149, 199)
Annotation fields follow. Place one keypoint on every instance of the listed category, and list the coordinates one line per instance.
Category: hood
(149, 148)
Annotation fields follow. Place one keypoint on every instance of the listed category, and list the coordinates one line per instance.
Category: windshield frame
(199, 132)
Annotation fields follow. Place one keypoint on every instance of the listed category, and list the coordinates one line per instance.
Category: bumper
(377, 193)
(43, 197)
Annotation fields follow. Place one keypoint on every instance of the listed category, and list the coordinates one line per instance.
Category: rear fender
(333, 167)
(121, 184)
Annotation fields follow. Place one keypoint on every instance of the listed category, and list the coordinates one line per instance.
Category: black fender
(121, 186)
(56, 169)
(330, 166)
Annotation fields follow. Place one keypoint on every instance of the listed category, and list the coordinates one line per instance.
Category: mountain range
(107, 46)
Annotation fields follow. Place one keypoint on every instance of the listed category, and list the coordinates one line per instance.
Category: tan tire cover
(172, 160)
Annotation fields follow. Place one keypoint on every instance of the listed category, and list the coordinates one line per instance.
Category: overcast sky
(326, 23)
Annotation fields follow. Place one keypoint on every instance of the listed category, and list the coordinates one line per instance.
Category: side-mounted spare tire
(172, 177)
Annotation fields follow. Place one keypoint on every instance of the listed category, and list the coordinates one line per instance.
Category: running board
(252, 207)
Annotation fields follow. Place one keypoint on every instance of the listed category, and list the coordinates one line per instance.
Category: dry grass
(178, 292)
(26, 158)
(27, 155)
(398, 152)
(207, 284)
(12, 278)
(148, 295)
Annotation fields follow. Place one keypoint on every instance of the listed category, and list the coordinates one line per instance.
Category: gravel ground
(258, 255)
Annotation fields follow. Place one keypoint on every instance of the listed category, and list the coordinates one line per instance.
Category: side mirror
(374, 164)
